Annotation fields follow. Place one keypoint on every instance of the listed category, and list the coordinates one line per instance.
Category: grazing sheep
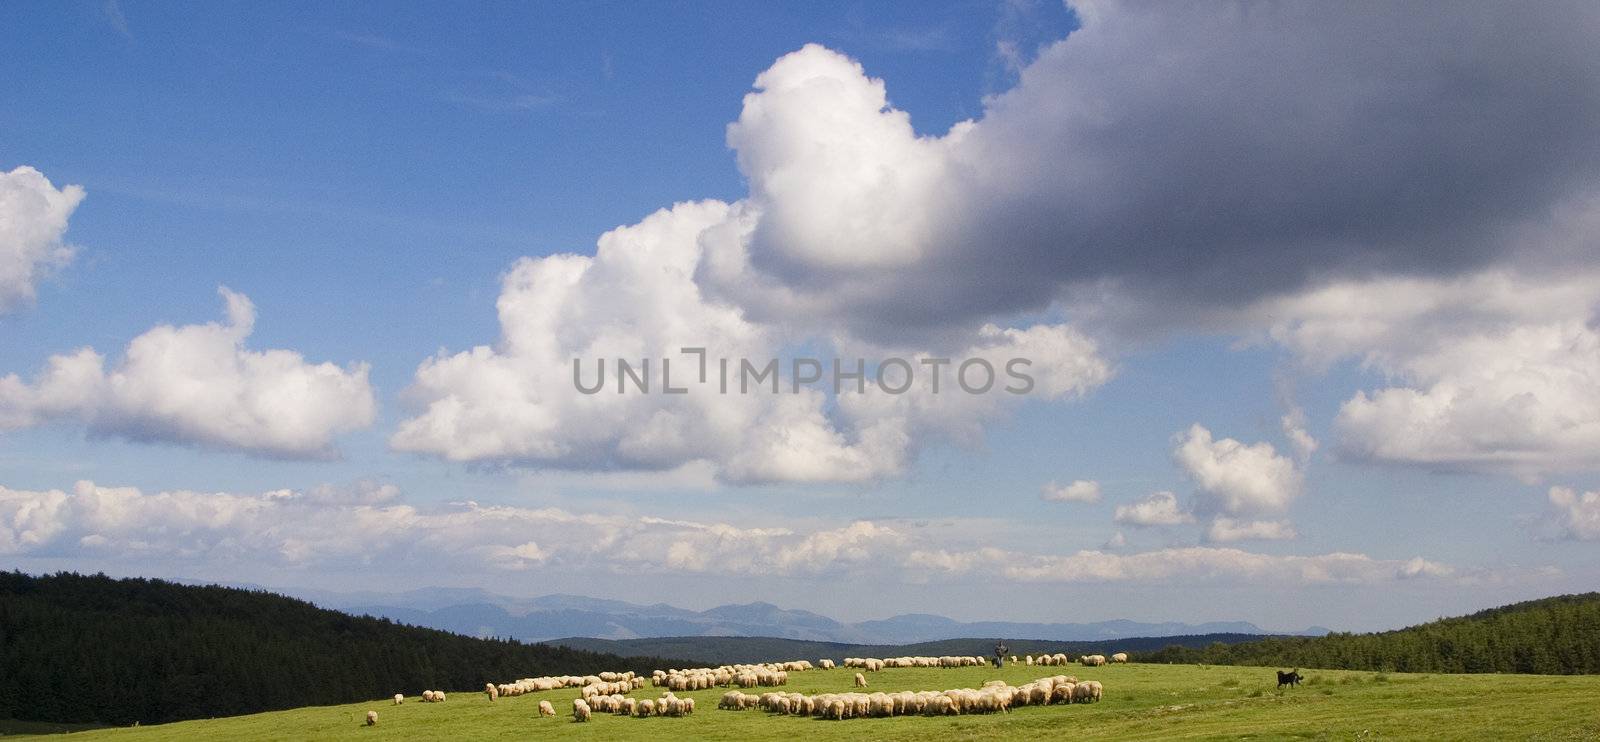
(427, 695)
(825, 664)
(996, 696)
(547, 709)
(835, 709)
(1119, 657)
(399, 698)
(861, 680)
(491, 690)
(580, 710)
(372, 718)
(438, 696)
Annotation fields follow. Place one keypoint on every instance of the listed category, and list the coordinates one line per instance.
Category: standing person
(1000, 650)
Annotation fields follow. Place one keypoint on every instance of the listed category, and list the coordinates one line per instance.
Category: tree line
(89, 648)
(1551, 636)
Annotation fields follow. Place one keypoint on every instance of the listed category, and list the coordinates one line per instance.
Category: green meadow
(1142, 702)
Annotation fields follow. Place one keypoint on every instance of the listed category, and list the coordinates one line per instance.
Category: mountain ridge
(477, 612)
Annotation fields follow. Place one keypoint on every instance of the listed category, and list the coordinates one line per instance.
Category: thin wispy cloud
(503, 104)
(500, 91)
(112, 11)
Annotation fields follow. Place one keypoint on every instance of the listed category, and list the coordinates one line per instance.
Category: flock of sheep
(1087, 660)
(995, 695)
(744, 676)
(667, 705)
(607, 691)
(871, 665)
(606, 682)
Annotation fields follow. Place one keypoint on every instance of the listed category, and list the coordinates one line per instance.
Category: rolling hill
(77, 649)
(1550, 636)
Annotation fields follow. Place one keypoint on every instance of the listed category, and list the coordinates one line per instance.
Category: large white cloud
(199, 384)
(365, 524)
(33, 219)
(637, 298)
(831, 167)
(1206, 155)
(1497, 371)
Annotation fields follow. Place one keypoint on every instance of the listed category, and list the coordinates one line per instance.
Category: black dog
(1291, 678)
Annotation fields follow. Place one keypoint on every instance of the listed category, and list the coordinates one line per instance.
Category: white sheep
(825, 664)
(491, 690)
(580, 710)
(546, 709)
(372, 718)
(861, 680)
(1119, 657)
(399, 698)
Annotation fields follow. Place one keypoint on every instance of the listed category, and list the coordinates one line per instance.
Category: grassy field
(1142, 702)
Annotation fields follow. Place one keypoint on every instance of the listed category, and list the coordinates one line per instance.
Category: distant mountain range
(476, 612)
(719, 650)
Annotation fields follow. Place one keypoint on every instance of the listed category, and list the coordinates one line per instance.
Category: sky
(291, 294)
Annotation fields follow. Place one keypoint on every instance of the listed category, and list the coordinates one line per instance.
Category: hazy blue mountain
(716, 650)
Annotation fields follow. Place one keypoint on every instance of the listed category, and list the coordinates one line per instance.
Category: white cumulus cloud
(366, 525)
(1495, 372)
(1155, 509)
(1575, 515)
(1140, 156)
(1081, 490)
(33, 220)
(1233, 478)
(636, 299)
(1187, 564)
(199, 384)
(1224, 529)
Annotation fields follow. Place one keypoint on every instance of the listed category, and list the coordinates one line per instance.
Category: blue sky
(1194, 243)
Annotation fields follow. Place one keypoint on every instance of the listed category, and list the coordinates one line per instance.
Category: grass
(1142, 702)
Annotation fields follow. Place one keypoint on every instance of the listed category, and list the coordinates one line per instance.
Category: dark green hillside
(1551, 636)
(77, 649)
